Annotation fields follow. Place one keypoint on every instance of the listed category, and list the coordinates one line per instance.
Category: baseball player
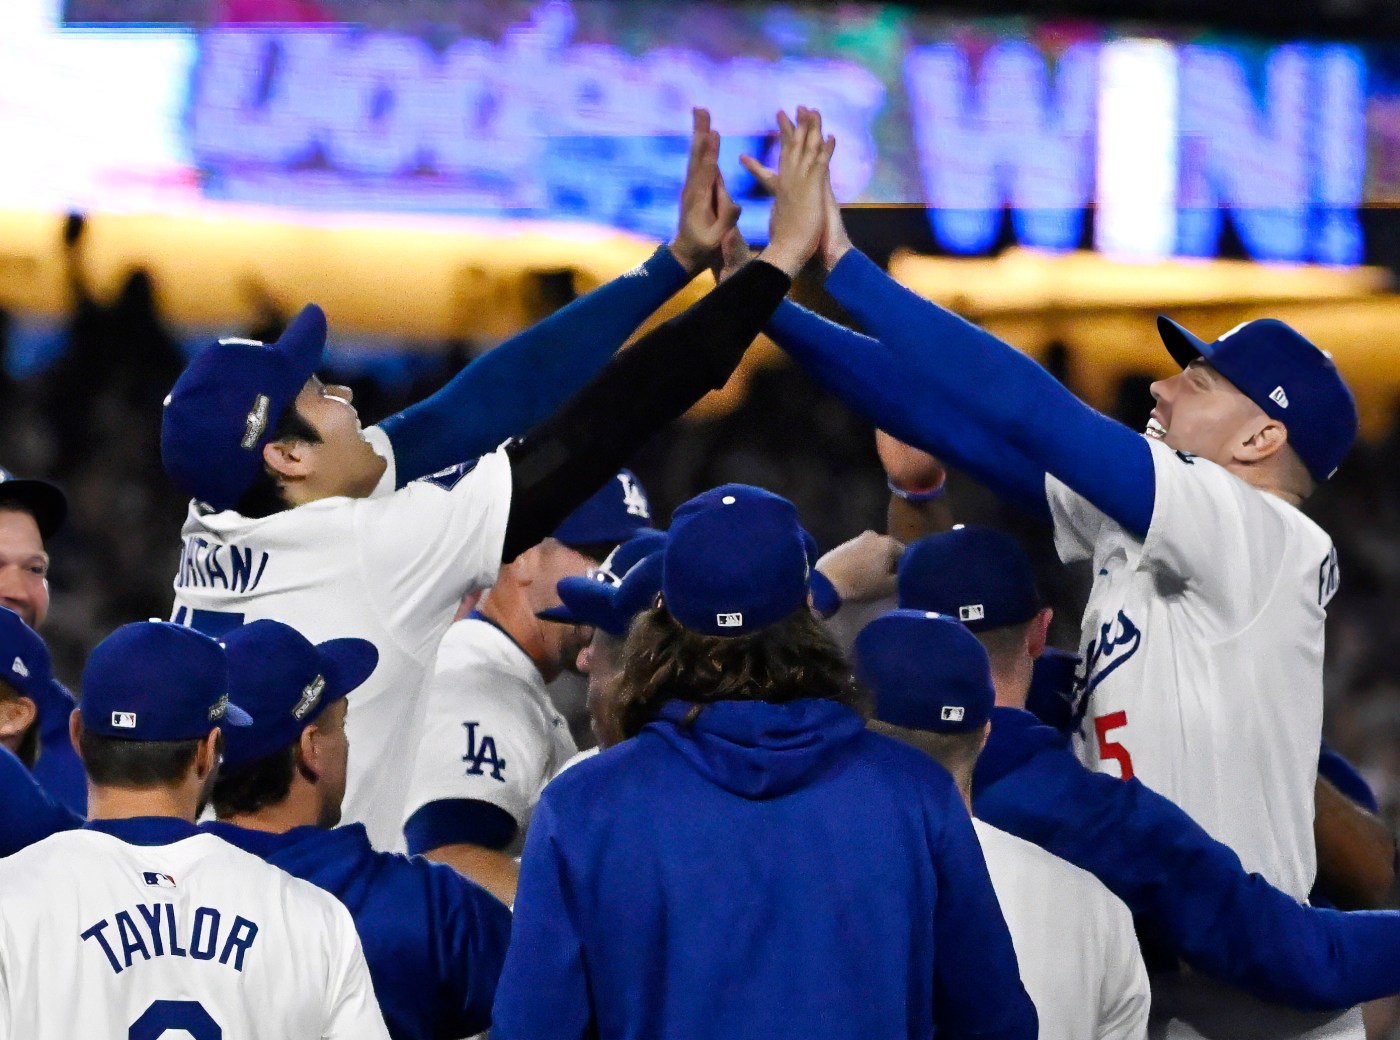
(1189, 893)
(433, 940)
(751, 860)
(1075, 944)
(492, 737)
(31, 513)
(1203, 634)
(140, 925)
(28, 812)
(293, 517)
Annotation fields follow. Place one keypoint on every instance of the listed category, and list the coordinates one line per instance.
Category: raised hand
(734, 253)
(799, 185)
(707, 213)
(863, 568)
(908, 468)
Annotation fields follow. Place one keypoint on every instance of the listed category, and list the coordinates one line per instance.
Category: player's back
(166, 928)
(1074, 941)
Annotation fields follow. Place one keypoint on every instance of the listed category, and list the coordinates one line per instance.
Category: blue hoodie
(768, 870)
(434, 941)
(1190, 892)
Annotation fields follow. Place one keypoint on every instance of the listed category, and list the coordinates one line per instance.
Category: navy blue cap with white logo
(927, 672)
(1287, 376)
(616, 591)
(285, 682)
(226, 404)
(153, 680)
(618, 510)
(24, 659)
(736, 561)
(44, 501)
(976, 575)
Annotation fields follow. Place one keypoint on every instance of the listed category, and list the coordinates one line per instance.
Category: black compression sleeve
(568, 457)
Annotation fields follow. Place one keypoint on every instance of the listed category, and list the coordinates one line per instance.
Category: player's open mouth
(1155, 430)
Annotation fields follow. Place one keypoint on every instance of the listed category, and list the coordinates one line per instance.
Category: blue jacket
(28, 813)
(434, 941)
(769, 870)
(59, 770)
(1189, 890)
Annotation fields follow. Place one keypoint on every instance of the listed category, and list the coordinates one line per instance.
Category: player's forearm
(998, 389)
(494, 871)
(520, 383)
(1355, 853)
(868, 376)
(560, 464)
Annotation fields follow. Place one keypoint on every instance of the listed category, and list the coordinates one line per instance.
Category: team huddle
(332, 796)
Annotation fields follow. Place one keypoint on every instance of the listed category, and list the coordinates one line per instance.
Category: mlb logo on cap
(972, 612)
(729, 620)
(953, 712)
(157, 880)
(124, 719)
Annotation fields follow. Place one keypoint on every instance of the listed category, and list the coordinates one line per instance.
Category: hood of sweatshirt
(756, 749)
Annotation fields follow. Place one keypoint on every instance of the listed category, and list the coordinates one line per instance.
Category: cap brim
(48, 504)
(346, 664)
(589, 601)
(304, 341)
(560, 614)
(235, 716)
(1183, 346)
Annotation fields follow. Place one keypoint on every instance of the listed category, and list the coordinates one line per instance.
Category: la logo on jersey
(634, 500)
(482, 754)
(157, 880)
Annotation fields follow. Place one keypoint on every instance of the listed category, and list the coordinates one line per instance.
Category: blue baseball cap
(617, 511)
(736, 561)
(226, 404)
(1287, 376)
(42, 500)
(285, 682)
(975, 575)
(617, 590)
(24, 659)
(825, 599)
(927, 672)
(153, 680)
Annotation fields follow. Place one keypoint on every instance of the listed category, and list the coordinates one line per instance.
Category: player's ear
(207, 756)
(17, 714)
(1038, 633)
(75, 731)
(290, 459)
(308, 754)
(1266, 441)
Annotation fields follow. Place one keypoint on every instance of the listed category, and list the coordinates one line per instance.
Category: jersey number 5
(1105, 724)
(166, 1016)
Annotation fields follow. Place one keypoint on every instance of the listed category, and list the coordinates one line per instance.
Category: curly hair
(664, 661)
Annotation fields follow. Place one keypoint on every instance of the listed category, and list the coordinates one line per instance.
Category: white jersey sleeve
(352, 1010)
(428, 542)
(1214, 540)
(491, 733)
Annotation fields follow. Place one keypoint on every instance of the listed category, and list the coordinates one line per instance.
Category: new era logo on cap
(1279, 397)
(124, 719)
(972, 612)
(953, 712)
(19, 669)
(729, 620)
(157, 880)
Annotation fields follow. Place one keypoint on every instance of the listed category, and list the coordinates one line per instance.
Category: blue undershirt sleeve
(1000, 393)
(513, 388)
(859, 371)
(470, 934)
(459, 821)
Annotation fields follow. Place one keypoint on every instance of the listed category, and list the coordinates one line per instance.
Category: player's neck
(506, 605)
(1267, 481)
(123, 803)
(1012, 685)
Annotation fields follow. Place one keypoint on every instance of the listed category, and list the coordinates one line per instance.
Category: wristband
(929, 495)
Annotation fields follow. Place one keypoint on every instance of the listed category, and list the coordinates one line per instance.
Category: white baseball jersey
(1074, 941)
(390, 568)
(101, 938)
(1202, 652)
(1202, 646)
(492, 733)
